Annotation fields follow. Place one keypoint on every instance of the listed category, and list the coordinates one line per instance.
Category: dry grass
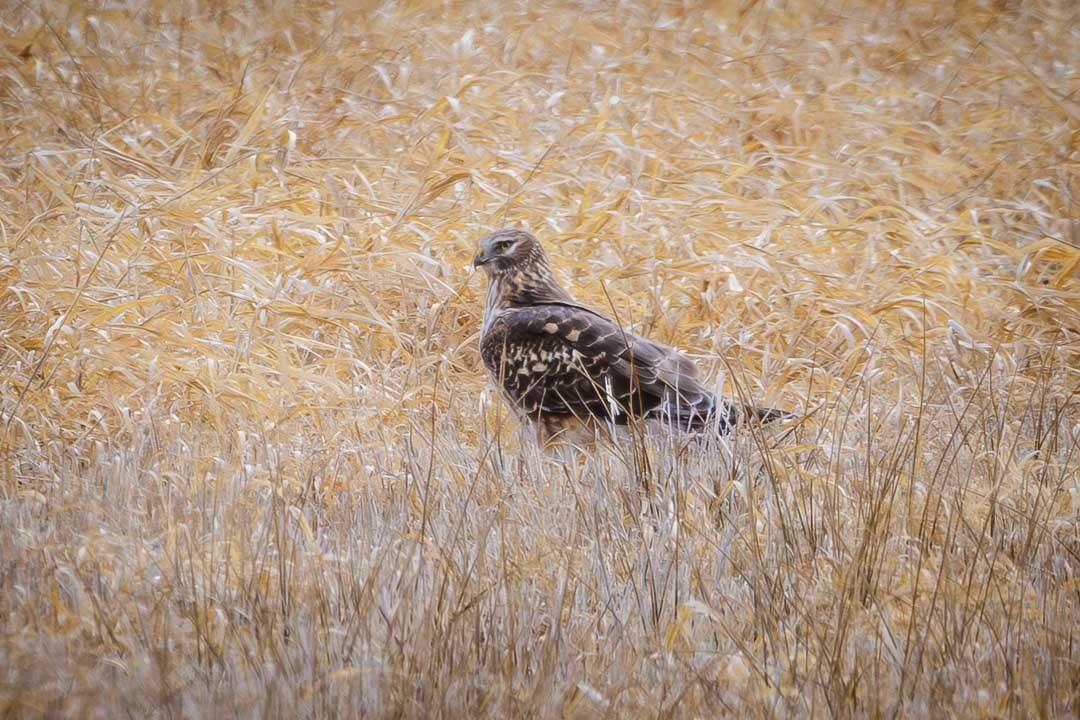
(251, 464)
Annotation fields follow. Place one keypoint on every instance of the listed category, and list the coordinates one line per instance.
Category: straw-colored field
(251, 464)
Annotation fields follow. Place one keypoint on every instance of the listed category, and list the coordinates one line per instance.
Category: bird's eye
(503, 245)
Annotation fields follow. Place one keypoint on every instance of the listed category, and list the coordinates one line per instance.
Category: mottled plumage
(557, 360)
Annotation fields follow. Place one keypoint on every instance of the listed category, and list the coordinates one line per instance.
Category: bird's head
(508, 250)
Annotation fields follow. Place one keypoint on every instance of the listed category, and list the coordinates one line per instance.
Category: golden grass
(251, 463)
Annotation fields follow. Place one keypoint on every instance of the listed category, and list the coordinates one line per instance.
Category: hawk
(560, 363)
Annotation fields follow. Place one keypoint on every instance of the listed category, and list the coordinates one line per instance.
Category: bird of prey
(560, 363)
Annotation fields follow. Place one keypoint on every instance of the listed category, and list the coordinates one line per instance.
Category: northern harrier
(559, 362)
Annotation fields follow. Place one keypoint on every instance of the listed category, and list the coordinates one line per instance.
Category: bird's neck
(534, 284)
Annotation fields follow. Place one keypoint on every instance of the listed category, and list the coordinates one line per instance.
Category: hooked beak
(480, 260)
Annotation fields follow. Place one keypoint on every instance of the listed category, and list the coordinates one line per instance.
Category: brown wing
(564, 359)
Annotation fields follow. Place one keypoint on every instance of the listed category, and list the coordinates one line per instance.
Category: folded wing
(563, 359)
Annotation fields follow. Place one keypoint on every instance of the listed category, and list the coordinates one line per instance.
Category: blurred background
(252, 463)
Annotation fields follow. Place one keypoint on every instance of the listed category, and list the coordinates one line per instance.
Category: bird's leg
(566, 430)
(548, 430)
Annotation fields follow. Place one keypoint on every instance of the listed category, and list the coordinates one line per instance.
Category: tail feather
(729, 415)
(714, 413)
(768, 415)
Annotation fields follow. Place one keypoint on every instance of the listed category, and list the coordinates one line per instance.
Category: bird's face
(505, 250)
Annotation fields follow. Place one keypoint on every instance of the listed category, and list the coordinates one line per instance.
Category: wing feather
(564, 359)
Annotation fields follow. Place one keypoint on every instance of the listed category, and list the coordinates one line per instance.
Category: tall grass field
(251, 464)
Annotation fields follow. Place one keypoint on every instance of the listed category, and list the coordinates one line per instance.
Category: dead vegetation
(252, 466)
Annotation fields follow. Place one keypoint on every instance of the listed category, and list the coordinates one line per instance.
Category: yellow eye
(503, 245)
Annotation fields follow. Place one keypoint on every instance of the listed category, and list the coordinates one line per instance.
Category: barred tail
(705, 412)
(724, 416)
